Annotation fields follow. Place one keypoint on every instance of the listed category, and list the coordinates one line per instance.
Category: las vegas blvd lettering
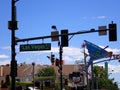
(35, 47)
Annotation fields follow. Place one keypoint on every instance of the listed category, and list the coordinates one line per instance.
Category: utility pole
(12, 25)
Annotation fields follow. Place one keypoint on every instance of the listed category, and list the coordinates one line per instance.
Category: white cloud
(72, 51)
(67, 59)
(4, 56)
(7, 47)
(4, 62)
(115, 50)
(95, 17)
(71, 54)
(101, 17)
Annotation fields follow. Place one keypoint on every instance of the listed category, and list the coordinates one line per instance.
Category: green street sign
(35, 47)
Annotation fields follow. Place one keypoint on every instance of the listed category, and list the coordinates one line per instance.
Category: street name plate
(35, 47)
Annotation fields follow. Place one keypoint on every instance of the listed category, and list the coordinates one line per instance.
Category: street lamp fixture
(54, 27)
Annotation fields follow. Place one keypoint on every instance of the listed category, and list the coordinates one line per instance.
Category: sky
(35, 18)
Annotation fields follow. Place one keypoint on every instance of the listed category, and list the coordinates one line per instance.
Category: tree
(48, 71)
(103, 80)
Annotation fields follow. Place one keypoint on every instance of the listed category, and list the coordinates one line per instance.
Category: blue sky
(35, 18)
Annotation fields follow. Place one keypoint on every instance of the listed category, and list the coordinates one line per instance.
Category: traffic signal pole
(12, 25)
(13, 50)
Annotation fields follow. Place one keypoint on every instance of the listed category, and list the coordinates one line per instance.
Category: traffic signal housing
(64, 38)
(112, 32)
(52, 59)
(57, 62)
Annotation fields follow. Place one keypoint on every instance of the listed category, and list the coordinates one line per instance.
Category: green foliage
(103, 80)
(99, 71)
(48, 71)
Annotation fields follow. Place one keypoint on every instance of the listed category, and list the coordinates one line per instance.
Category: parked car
(31, 88)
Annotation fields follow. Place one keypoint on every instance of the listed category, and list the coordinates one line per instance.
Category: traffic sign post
(35, 47)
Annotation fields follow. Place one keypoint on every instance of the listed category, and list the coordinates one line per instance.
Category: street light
(54, 27)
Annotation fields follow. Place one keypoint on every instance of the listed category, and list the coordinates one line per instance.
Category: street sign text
(35, 47)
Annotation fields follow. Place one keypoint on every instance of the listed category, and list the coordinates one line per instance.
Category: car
(31, 88)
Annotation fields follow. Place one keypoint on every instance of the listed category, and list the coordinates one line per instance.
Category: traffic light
(52, 59)
(112, 32)
(64, 38)
(57, 62)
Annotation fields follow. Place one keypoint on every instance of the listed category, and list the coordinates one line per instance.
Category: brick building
(25, 71)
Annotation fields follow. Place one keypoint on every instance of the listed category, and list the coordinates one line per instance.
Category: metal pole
(13, 27)
(61, 51)
(33, 64)
(92, 75)
(13, 47)
(49, 36)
